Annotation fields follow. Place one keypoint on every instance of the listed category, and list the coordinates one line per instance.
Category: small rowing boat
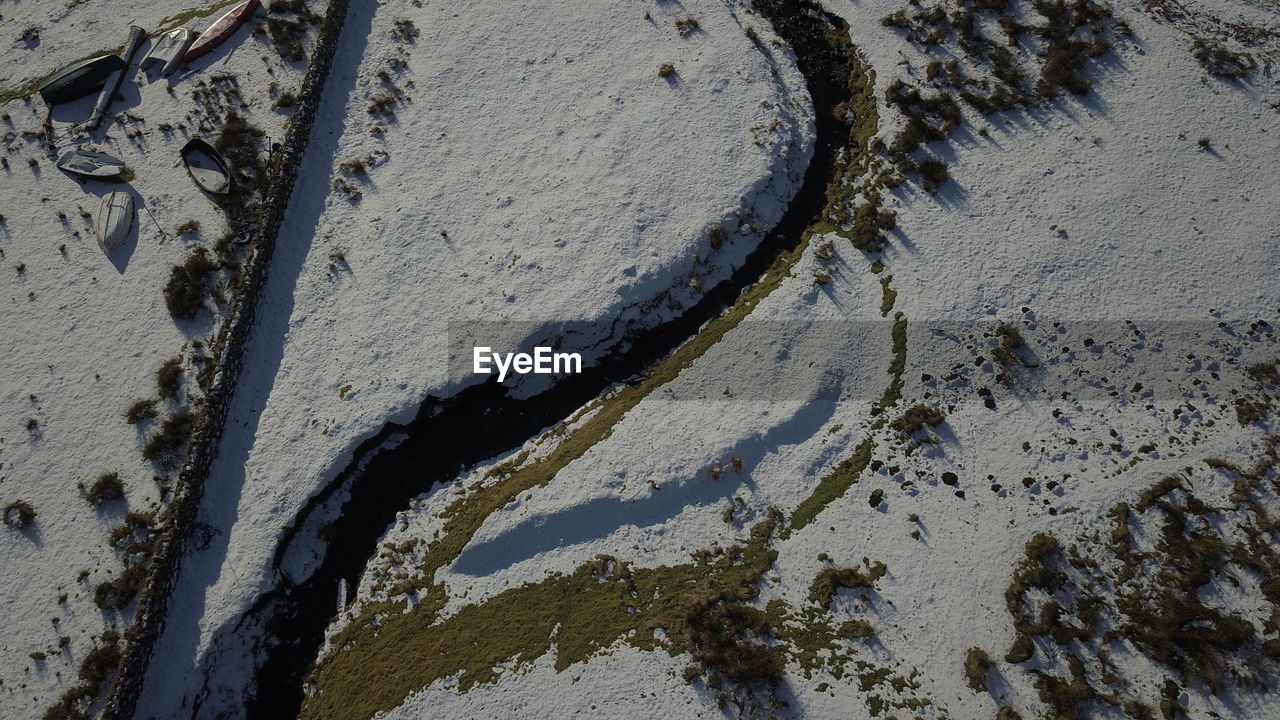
(115, 217)
(90, 163)
(80, 79)
(168, 50)
(206, 166)
(222, 28)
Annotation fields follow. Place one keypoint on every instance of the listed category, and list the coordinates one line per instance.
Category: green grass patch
(579, 615)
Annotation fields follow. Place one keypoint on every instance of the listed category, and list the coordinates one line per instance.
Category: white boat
(91, 164)
(168, 50)
(115, 217)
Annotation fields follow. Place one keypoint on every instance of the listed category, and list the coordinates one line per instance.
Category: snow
(536, 169)
(1156, 232)
(84, 333)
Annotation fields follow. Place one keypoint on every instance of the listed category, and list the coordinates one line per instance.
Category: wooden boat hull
(115, 217)
(168, 51)
(89, 163)
(80, 79)
(222, 28)
(206, 166)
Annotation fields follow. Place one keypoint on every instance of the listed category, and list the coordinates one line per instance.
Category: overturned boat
(168, 50)
(115, 217)
(206, 166)
(81, 79)
(90, 163)
(222, 28)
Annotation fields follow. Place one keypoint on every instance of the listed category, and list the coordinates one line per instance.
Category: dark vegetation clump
(1158, 601)
(98, 666)
(977, 43)
(19, 514)
(977, 664)
(725, 638)
(405, 31)
(118, 593)
(666, 70)
(169, 379)
(870, 225)
(164, 444)
(1220, 61)
(140, 411)
(1250, 411)
(188, 284)
(107, 488)
(1010, 341)
(917, 417)
(933, 173)
(831, 580)
(286, 35)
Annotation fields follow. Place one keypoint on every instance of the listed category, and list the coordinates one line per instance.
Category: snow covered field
(1101, 229)
(1020, 461)
(521, 162)
(86, 333)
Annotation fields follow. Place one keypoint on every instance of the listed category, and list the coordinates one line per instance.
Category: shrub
(19, 514)
(830, 580)
(1220, 61)
(287, 99)
(687, 25)
(185, 291)
(1010, 340)
(666, 70)
(169, 377)
(405, 31)
(118, 593)
(188, 227)
(99, 663)
(1250, 411)
(933, 173)
(869, 225)
(717, 234)
(171, 436)
(286, 35)
(917, 418)
(139, 411)
(107, 488)
(977, 664)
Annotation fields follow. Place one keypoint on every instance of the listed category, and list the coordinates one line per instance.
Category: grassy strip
(578, 615)
(834, 485)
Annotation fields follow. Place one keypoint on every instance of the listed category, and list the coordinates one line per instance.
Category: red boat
(220, 30)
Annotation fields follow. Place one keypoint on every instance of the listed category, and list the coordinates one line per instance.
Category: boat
(80, 79)
(108, 96)
(206, 166)
(168, 49)
(115, 217)
(90, 163)
(221, 29)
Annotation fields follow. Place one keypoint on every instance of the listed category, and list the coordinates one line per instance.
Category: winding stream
(380, 482)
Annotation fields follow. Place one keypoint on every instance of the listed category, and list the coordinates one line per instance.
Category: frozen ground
(84, 333)
(476, 162)
(528, 162)
(1103, 214)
